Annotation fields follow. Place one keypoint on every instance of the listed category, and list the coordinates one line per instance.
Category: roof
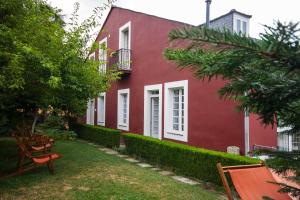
(152, 15)
(230, 13)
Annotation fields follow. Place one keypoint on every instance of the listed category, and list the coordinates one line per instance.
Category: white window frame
(242, 19)
(90, 111)
(121, 29)
(102, 67)
(147, 90)
(121, 125)
(98, 108)
(168, 125)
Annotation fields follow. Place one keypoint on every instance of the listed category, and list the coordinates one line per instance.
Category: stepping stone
(122, 146)
(90, 143)
(185, 180)
(122, 156)
(144, 165)
(155, 169)
(132, 160)
(105, 149)
(166, 173)
(111, 152)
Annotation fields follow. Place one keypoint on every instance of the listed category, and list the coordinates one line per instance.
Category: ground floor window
(123, 109)
(296, 142)
(175, 110)
(90, 112)
(288, 142)
(101, 109)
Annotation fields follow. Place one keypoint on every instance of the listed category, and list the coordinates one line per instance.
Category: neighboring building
(287, 141)
(156, 99)
(233, 21)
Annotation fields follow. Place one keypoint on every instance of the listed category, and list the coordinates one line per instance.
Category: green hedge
(100, 135)
(186, 160)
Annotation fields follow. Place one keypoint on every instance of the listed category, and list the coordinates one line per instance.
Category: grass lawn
(85, 172)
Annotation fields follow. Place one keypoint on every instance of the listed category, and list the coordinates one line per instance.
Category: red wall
(261, 134)
(212, 123)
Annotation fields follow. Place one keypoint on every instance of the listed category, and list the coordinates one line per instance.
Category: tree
(43, 61)
(263, 75)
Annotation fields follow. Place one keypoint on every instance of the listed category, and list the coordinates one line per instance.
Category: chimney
(208, 2)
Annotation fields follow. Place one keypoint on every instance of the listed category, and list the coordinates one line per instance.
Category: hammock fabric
(254, 184)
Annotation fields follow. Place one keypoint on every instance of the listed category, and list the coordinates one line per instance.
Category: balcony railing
(121, 59)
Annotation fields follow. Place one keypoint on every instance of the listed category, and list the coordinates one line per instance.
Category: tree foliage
(262, 75)
(43, 60)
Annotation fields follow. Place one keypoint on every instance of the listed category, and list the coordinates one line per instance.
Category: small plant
(60, 134)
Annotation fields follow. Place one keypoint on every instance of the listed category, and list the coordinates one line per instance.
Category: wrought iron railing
(121, 59)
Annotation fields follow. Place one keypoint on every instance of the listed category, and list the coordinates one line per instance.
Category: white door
(154, 117)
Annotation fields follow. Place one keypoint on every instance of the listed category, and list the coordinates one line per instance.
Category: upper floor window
(176, 104)
(125, 36)
(103, 54)
(123, 109)
(240, 24)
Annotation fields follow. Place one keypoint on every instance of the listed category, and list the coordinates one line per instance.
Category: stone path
(146, 165)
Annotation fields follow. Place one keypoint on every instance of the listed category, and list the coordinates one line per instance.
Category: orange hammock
(251, 182)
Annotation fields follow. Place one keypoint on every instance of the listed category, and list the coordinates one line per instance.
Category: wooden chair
(35, 160)
(251, 182)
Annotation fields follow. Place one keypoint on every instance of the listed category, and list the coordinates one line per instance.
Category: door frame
(147, 109)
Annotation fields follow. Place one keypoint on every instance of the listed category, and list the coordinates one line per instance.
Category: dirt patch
(67, 187)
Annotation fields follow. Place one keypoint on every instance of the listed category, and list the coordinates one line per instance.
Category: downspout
(246, 132)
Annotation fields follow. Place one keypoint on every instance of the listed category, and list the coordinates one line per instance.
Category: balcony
(121, 60)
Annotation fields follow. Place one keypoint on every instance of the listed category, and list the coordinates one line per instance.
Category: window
(124, 46)
(153, 111)
(178, 109)
(123, 109)
(90, 112)
(176, 104)
(124, 36)
(296, 142)
(101, 109)
(103, 55)
(238, 26)
(244, 28)
(283, 142)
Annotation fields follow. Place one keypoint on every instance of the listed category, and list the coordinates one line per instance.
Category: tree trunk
(36, 117)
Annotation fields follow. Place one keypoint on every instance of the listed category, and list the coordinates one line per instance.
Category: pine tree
(263, 75)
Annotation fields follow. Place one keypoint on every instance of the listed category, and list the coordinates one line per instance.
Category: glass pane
(238, 25)
(175, 127)
(175, 112)
(175, 120)
(244, 27)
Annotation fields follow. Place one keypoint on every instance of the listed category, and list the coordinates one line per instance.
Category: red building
(157, 99)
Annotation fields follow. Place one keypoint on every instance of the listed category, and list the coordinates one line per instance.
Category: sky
(193, 11)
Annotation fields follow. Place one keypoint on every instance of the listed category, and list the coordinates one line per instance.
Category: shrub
(100, 135)
(58, 134)
(189, 161)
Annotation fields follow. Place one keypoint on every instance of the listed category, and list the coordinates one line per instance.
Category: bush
(186, 160)
(103, 136)
(58, 134)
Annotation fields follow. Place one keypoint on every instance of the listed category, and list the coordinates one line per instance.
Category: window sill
(176, 136)
(123, 127)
